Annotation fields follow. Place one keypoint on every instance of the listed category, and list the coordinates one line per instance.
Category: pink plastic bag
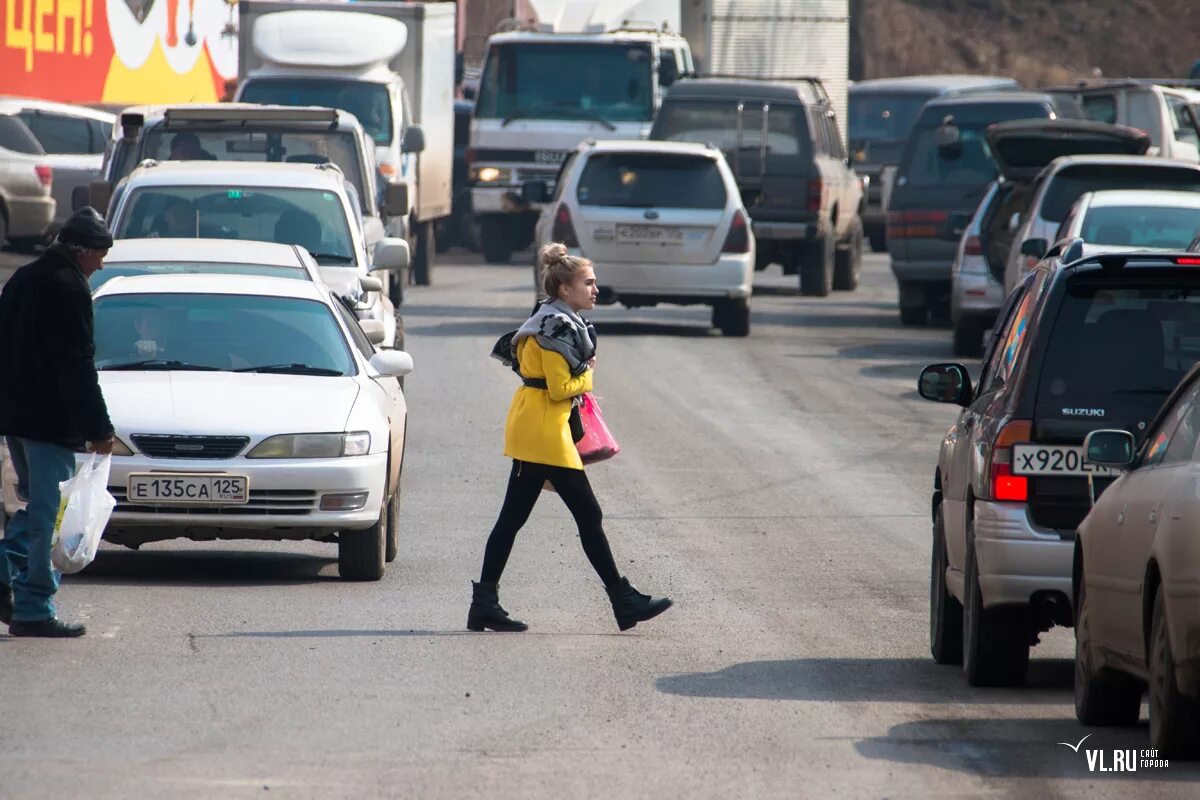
(597, 443)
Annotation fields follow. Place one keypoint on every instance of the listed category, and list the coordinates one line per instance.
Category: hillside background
(1037, 42)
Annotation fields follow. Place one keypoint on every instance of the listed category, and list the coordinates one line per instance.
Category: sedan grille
(208, 447)
(264, 502)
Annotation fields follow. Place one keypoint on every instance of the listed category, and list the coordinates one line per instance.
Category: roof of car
(777, 89)
(923, 84)
(649, 146)
(580, 37)
(236, 173)
(213, 284)
(980, 98)
(184, 114)
(1143, 197)
(12, 102)
(1062, 162)
(239, 251)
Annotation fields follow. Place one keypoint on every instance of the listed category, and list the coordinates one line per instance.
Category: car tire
(968, 338)
(424, 254)
(1102, 696)
(995, 640)
(494, 239)
(945, 612)
(847, 261)
(1174, 717)
(816, 268)
(362, 554)
(732, 317)
(3, 227)
(395, 281)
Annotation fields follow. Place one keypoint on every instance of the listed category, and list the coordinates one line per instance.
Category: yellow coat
(537, 429)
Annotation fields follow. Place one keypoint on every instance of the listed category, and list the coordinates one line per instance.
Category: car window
(1181, 119)
(101, 133)
(219, 331)
(1069, 183)
(1175, 439)
(369, 102)
(651, 180)
(1141, 226)
(15, 137)
(314, 219)
(716, 123)
(970, 164)
(1100, 107)
(835, 138)
(121, 269)
(820, 132)
(882, 117)
(1006, 358)
(361, 342)
(58, 133)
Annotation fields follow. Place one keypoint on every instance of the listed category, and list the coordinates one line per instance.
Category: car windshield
(716, 123)
(608, 82)
(1142, 226)
(369, 102)
(239, 144)
(122, 269)
(651, 180)
(970, 162)
(218, 332)
(1112, 344)
(312, 218)
(1068, 185)
(882, 117)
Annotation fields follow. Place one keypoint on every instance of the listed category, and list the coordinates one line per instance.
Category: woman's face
(580, 294)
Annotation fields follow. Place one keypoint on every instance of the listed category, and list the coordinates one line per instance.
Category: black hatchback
(1081, 344)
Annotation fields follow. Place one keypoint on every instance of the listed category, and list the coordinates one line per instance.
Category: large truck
(621, 56)
(390, 64)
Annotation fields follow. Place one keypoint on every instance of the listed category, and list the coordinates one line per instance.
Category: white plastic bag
(83, 514)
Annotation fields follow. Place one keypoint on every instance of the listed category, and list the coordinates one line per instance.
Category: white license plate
(649, 234)
(1041, 459)
(190, 489)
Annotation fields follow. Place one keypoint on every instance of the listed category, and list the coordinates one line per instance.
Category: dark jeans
(524, 486)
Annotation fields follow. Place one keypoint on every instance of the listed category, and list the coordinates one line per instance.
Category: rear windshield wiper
(160, 364)
(293, 369)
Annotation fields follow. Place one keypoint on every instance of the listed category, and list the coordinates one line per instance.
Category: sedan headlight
(313, 445)
(491, 174)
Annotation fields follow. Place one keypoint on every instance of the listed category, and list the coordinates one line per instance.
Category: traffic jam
(266, 243)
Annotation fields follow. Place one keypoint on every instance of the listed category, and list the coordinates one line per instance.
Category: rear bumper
(730, 276)
(975, 295)
(922, 271)
(29, 216)
(768, 230)
(1017, 558)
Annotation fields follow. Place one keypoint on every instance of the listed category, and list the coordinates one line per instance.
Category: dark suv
(1081, 344)
(782, 142)
(944, 171)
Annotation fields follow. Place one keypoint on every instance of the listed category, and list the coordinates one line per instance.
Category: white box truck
(390, 64)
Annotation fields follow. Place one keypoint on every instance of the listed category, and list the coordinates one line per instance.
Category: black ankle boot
(487, 613)
(631, 606)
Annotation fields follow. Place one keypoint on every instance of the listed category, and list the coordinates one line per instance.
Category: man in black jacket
(50, 407)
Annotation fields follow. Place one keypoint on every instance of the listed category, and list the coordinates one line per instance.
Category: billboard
(118, 51)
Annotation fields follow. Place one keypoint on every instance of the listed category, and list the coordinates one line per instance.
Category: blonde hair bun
(552, 254)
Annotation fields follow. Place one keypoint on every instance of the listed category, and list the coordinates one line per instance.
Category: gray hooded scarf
(560, 329)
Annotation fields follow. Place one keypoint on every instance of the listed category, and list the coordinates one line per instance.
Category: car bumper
(1017, 558)
(285, 499)
(922, 271)
(29, 216)
(975, 295)
(768, 230)
(731, 276)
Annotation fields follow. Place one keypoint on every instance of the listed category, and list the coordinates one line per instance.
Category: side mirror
(1034, 248)
(392, 363)
(535, 192)
(668, 71)
(1109, 448)
(945, 383)
(391, 253)
(395, 199)
(99, 196)
(370, 283)
(373, 328)
(414, 140)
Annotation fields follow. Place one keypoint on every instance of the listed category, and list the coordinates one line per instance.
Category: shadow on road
(881, 680)
(203, 568)
(352, 633)
(1018, 748)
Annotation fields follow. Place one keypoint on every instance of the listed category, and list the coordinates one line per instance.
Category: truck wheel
(362, 554)
(968, 338)
(424, 254)
(444, 234)
(995, 640)
(494, 240)
(816, 268)
(945, 613)
(732, 317)
(914, 306)
(847, 261)
(1102, 697)
(1174, 720)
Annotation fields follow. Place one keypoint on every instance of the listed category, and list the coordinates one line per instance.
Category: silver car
(26, 206)
(1133, 219)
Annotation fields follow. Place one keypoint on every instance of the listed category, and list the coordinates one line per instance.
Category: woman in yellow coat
(556, 354)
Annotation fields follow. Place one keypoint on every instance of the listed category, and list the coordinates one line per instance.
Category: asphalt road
(777, 487)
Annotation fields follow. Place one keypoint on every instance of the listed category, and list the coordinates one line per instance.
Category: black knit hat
(86, 228)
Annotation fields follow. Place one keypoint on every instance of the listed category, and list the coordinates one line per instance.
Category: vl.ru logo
(1118, 760)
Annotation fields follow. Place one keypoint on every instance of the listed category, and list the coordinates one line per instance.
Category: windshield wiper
(293, 369)
(160, 364)
(584, 114)
(337, 258)
(518, 114)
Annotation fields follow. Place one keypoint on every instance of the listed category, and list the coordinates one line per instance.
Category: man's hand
(102, 447)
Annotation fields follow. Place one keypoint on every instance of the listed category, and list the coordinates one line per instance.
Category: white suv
(662, 221)
(312, 206)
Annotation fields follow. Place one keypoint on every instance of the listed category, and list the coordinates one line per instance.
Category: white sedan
(250, 407)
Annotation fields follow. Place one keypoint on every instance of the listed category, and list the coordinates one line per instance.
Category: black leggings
(524, 486)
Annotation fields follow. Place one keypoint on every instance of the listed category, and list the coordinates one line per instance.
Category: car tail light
(973, 247)
(1004, 485)
(815, 188)
(916, 224)
(564, 229)
(45, 174)
(738, 238)
(1188, 261)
